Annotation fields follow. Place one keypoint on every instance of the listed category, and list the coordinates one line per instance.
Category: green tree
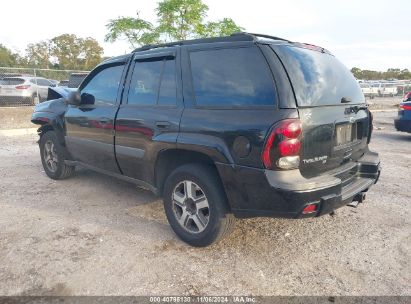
(75, 53)
(67, 49)
(7, 57)
(405, 74)
(135, 30)
(391, 73)
(224, 27)
(39, 54)
(91, 53)
(180, 19)
(177, 20)
(356, 72)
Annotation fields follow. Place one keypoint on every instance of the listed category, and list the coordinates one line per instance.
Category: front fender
(50, 121)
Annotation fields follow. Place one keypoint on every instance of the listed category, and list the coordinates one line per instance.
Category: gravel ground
(93, 235)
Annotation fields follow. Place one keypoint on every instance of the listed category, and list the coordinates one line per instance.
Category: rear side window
(11, 81)
(232, 77)
(318, 79)
(153, 83)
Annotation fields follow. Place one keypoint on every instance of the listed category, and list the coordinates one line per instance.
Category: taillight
(310, 208)
(283, 145)
(405, 107)
(23, 87)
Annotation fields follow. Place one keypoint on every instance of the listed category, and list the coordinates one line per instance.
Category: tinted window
(318, 78)
(145, 83)
(11, 81)
(103, 87)
(148, 77)
(168, 92)
(42, 82)
(231, 77)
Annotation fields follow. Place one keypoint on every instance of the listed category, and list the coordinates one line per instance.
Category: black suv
(242, 126)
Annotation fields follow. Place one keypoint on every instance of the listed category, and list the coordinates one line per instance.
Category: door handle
(162, 124)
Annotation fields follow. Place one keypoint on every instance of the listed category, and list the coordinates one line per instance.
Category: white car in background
(387, 89)
(24, 90)
(368, 90)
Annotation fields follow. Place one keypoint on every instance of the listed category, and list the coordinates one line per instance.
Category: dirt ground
(94, 235)
(16, 117)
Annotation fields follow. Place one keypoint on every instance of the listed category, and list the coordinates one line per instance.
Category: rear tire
(196, 205)
(53, 157)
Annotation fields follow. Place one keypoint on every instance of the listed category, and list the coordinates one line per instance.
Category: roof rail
(237, 37)
(260, 35)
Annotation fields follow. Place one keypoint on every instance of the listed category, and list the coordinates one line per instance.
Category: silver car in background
(24, 90)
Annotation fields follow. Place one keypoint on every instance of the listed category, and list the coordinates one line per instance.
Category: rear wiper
(345, 100)
(355, 109)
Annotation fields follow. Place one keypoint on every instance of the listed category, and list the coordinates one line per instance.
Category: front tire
(53, 157)
(196, 205)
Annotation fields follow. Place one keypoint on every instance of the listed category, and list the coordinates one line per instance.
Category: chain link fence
(26, 87)
(404, 88)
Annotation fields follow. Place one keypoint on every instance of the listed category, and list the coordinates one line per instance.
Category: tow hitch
(359, 198)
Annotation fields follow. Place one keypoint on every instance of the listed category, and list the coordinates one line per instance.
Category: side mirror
(74, 98)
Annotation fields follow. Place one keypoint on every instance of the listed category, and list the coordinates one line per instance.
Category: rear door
(231, 101)
(331, 107)
(149, 117)
(90, 126)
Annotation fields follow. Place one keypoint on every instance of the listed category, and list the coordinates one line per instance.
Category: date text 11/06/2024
(203, 299)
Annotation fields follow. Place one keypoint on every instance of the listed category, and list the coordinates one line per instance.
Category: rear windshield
(318, 79)
(11, 81)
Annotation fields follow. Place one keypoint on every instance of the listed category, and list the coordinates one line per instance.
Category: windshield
(318, 79)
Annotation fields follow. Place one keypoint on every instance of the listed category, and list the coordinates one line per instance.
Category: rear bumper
(403, 125)
(255, 192)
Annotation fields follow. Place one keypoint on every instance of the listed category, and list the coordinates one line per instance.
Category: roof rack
(255, 35)
(239, 36)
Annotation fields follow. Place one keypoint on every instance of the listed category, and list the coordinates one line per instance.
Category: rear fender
(212, 146)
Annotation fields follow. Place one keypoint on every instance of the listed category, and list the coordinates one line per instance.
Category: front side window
(232, 77)
(103, 87)
(43, 82)
(153, 83)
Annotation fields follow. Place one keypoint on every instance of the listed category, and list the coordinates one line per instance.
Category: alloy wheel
(50, 156)
(190, 206)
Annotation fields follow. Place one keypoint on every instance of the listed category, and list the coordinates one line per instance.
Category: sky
(367, 34)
